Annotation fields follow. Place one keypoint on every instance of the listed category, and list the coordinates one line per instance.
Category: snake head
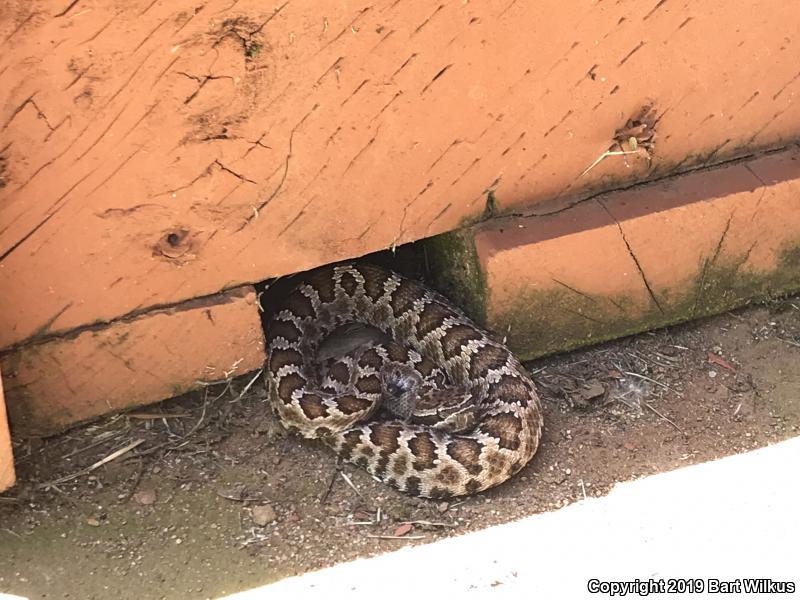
(400, 388)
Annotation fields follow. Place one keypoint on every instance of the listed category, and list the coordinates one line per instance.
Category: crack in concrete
(205, 173)
(335, 66)
(19, 27)
(635, 259)
(767, 124)
(149, 35)
(631, 53)
(588, 296)
(232, 172)
(708, 263)
(104, 132)
(790, 82)
(763, 183)
(201, 80)
(401, 229)
(18, 110)
(438, 216)
(467, 170)
(426, 21)
(55, 208)
(441, 72)
(69, 7)
(454, 143)
(364, 149)
(744, 159)
(553, 128)
(57, 127)
(385, 106)
(713, 154)
(279, 187)
(349, 27)
(296, 218)
(119, 167)
(99, 31)
(580, 314)
(128, 81)
(256, 144)
(40, 115)
(245, 38)
(403, 66)
(654, 9)
(223, 296)
(354, 92)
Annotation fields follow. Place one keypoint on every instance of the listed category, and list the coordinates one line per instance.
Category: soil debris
(215, 497)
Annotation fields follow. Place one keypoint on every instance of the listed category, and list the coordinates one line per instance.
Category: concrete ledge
(728, 519)
(632, 260)
(160, 354)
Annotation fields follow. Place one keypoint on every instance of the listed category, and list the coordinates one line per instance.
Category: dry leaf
(718, 360)
(263, 515)
(592, 391)
(145, 497)
(403, 529)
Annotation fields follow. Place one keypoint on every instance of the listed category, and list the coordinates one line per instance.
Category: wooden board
(643, 258)
(164, 353)
(152, 151)
(7, 477)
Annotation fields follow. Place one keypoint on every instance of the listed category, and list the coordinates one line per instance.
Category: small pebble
(145, 497)
(262, 515)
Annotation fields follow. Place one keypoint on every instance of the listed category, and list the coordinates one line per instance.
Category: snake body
(436, 351)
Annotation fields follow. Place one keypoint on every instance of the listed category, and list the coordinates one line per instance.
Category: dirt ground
(206, 495)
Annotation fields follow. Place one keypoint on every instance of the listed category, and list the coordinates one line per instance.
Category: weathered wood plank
(636, 259)
(158, 151)
(7, 476)
(164, 353)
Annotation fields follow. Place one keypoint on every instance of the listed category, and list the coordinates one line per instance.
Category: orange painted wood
(7, 477)
(153, 151)
(644, 257)
(52, 385)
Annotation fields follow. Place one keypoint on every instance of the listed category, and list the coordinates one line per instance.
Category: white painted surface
(733, 518)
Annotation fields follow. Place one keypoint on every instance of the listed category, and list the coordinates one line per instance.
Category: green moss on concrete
(557, 320)
(564, 318)
(454, 270)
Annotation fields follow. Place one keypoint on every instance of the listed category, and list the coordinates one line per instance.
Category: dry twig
(653, 381)
(350, 483)
(667, 419)
(113, 456)
(397, 537)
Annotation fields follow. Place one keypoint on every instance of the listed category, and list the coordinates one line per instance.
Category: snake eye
(393, 389)
(396, 383)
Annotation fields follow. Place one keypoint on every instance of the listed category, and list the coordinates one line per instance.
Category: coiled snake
(436, 409)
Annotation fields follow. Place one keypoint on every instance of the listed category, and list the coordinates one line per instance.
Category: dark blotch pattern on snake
(494, 418)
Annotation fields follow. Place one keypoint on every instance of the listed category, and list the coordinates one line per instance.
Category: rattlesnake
(498, 416)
